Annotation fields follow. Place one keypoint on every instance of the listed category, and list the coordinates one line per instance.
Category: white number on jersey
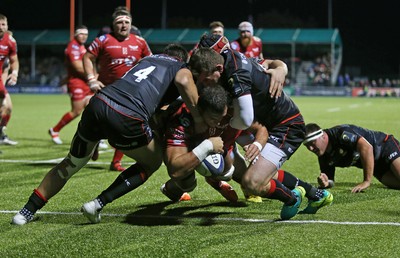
(142, 74)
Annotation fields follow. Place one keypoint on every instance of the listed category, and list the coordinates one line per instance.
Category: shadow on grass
(51, 165)
(156, 215)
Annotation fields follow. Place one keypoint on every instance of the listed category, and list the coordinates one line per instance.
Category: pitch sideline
(352, 223)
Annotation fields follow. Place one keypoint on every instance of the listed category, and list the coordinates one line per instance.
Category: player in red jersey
(185, 149)
(111, 55)
(247, 43)
(8, 49)
(78, 89)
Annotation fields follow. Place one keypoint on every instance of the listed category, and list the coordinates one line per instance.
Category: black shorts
(288, 136)
(105, 119)
(390, 152)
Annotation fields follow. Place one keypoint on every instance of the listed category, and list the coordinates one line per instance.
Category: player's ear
(220, 68)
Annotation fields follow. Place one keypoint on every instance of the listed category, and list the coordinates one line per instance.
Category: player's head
(81, 34)
(122, 22)
(213, 104)
(176, 50)
(214, 41)
(246, 27)
(217, 27)
(315, 140)
(206, 66)
(3, 24)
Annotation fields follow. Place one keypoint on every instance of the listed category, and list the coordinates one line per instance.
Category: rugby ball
(212, 165)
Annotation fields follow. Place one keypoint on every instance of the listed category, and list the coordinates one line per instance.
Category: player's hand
(323, 180)
(95, 85)
(252, 153)
(360, 187)
(12, 79)
(218, 144)
(278, 76)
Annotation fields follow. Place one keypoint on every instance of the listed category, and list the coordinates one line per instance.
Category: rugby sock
(5, 119)
(67, 117)
(290, 181)
(172, 191)
(280, 192)
(35, 202)
(130, 179)
(117, 156)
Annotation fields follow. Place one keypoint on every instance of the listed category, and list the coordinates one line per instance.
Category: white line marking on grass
(336, 109)
(373, 223)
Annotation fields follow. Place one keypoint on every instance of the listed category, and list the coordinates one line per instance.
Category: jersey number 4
(143, 73)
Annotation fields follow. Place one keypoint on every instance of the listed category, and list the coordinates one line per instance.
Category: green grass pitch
(144, 224)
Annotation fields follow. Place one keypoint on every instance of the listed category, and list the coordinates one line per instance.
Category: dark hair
(312, 127)
(204, 60)
(176, 50)
(216, 24)
(213, 99)
(121, 10)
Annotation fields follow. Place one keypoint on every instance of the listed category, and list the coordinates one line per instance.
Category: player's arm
(240, 83)
(12, 78)
(326, 178)
(180, 161)
(278, 71)
(188, 91)
(253, 150)
(367, 160)
(89, 66)
(77, 65)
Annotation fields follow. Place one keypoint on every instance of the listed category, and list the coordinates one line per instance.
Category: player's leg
(148, 159)
(78, 103)
(317, 198)
(56, 178)
(6, 110)
(391, 178)
(258, 180)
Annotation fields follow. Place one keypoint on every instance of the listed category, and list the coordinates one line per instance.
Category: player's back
(146, 86)
(243, 71)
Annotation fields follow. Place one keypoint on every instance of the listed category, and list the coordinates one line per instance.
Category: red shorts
(3, 90)
(78, 90)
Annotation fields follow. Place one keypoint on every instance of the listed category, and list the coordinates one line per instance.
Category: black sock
(130, 179)
(280, 192)
(290, 181)
(35, 202)
(173, 191)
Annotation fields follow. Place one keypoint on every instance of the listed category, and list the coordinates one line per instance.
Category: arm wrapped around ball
(214, 166)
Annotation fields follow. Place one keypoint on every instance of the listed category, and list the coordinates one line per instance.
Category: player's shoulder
(257, 39)
(8, 37)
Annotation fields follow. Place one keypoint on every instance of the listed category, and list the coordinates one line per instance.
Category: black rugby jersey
(246, 75)
(146, 86)
(343, 152)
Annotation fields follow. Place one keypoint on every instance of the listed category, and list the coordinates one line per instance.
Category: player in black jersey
(283, 120)
(121, 113)
(375, 152)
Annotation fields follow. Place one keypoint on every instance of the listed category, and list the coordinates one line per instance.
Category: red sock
(5, 119)
(63, 122)
(281, 175)
(117, 156)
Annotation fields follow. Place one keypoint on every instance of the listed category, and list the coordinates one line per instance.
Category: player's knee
(70, 165)
(250, 184)
(81, 148)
